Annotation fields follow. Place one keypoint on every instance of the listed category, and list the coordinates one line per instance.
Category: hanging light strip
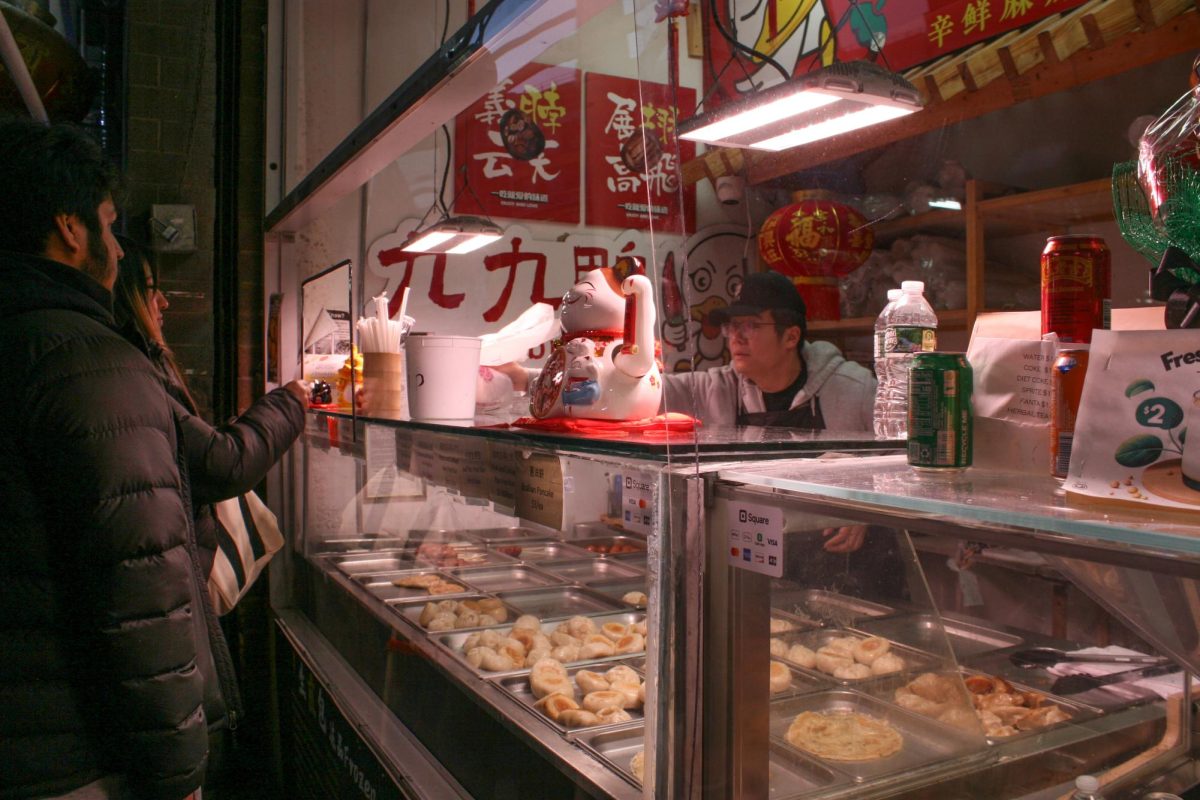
(454, 236)
(828, 102)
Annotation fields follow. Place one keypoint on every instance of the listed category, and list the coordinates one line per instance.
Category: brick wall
(171, 105)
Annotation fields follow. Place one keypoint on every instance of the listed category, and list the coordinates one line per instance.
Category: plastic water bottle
(911, 328)
(881, 323)
(1087, 788)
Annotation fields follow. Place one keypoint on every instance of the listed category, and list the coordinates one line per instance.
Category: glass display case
(980, 635)
(438, 570)
(763, 612)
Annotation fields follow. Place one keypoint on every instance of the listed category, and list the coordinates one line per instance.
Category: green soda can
(939, 412)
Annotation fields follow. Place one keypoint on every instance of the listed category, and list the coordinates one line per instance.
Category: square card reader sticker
(756, 538)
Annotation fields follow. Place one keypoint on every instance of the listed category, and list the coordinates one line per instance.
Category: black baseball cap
(762, 291)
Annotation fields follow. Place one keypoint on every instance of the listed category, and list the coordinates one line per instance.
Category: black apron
(806, 416)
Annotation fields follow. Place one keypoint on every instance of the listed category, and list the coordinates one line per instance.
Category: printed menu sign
(517, 148)
(756, 538)
(633, 158)
(540, 490)
(503, 462)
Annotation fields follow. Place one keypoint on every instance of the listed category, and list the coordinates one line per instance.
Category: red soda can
(1076, 287)
(1066, 392)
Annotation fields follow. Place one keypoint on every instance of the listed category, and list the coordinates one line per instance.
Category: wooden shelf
(1049, 209)
(941, 223)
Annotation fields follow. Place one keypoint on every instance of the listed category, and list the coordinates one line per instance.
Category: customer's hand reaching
(845, 539)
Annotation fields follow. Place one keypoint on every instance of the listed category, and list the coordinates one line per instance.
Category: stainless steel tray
(826, 607)
(925, 741)
(517, 686)
(922, 632)
(618, 589)
(502, 578)
(442, 536)
(914, 660)
(590, 530)
(453, 642)
(603, 545)
(617, 747)
(374, 563)
(560, 602)
(590, 569)
(795, 623)
(638, 560)
(493, 535)
(548, 550)
(802, 681)
(411, 610)
(359, 544)
(380, 585)
(791, 773)
(456, 555)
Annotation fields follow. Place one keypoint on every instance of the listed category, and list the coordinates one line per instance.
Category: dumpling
(542, 685)
(560, 638)
(852, 672)
(597, 649)
(632, 692)
(589, 681)
(614, 630)
(635, 599)
(780, 626)
(548, 666)
(467, 619)
(567, 652)
(637, 765)
(887, 664)
(594, 701)
(828, 661)
(781, 677)
(613, 715)
(428, 612)
(799, 654)
(497, 662)
(779, 648)
(866, 651)
(579, 627)
(632, 643)
(553, 705)
(578, 718)
(622, 673)
(442, 622)
(528, 622)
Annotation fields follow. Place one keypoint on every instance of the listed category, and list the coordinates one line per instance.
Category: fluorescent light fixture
(946, 202)
(831, 101)
(454, 236)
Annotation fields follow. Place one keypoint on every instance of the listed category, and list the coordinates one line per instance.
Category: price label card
(756, 538)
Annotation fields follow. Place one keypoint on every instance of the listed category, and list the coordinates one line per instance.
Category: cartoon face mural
(702, 274)
(788, 31)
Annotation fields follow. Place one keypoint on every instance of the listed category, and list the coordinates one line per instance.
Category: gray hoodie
(716, 396)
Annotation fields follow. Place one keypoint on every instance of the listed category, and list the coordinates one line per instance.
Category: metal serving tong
(1074, 684)
(1049, 656)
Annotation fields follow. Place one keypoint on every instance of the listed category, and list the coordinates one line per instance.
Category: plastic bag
(535, 326)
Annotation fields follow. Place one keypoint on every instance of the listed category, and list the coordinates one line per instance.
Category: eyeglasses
(743, 329)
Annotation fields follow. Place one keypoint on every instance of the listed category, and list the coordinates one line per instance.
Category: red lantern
(815, 242)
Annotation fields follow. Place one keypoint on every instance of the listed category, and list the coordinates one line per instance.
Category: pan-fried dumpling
(799, 654)
(589, 681)
(869, 649)
(887, 664)
(622, 673)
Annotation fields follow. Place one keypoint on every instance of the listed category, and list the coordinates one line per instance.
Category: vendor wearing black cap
(776, 378)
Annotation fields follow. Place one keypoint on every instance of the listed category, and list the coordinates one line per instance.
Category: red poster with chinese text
(517, 148)
(803, 35)
(633, 158)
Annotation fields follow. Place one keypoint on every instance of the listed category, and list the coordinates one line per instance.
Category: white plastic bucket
(441, 376)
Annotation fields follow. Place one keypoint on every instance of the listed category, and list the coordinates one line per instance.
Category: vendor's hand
(515, 372)
(846, 539)
(301, 390)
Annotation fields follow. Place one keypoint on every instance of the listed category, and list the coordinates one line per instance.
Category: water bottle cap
(915, 287)
(894, 294)
(1087, 784)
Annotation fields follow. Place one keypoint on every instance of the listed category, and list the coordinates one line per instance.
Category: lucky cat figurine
(604, 364)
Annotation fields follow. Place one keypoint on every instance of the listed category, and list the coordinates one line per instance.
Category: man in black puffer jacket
(100, 660)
